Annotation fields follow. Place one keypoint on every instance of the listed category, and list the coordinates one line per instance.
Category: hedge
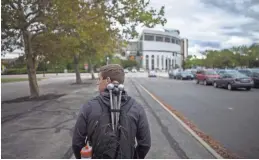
(14, 71)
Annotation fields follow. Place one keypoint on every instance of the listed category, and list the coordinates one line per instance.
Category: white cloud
(198, 21)
(237, 41)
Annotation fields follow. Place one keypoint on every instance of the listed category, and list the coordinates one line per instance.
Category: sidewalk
(45, 130)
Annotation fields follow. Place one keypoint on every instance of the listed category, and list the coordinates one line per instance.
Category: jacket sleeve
(143, 135)
(80, 131)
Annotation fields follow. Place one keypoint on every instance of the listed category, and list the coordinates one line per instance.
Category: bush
(13, 71)
(81, 71)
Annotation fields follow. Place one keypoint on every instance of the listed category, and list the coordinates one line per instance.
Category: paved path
(43, 129)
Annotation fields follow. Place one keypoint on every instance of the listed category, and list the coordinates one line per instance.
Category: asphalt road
(230, 117)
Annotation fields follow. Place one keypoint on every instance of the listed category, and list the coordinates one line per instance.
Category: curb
(200, 140)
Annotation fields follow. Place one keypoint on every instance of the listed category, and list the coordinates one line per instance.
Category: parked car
(174, 73)
(253, 73)
(126, 71)
(152, 73)
(184, 75)
(141, 70)
(206, 76)
(233, 80)
(134, 70)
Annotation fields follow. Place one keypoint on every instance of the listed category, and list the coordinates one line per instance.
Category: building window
(177, 41)
(149, 38)
(159, 38)
(173, 40)
(167, 39)
(157, 61)
(152, 62)
(147, 61)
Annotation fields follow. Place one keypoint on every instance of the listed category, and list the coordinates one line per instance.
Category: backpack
(107, 144)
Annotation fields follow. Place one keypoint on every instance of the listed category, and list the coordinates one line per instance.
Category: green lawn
(9, 80)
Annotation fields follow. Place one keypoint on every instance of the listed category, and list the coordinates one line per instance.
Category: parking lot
(230, 117)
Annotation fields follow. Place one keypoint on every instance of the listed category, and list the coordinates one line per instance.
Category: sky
(212, 24)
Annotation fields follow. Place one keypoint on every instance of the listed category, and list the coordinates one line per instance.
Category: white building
(184, 48)
(159, 49)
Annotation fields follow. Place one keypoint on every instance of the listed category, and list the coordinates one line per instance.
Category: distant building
(184, 48)
(157, 49)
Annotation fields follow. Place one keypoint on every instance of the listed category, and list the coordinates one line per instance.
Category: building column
(150, 62)
(144, 61)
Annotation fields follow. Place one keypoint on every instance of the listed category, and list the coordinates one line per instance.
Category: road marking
(200, 140)
(230, 108)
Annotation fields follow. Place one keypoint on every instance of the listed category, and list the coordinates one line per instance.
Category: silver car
(233, 80)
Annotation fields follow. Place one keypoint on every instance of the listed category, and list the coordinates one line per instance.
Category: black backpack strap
(89, 138)
(130, 103)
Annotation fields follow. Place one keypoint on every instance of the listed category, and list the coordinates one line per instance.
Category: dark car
(253, 73)
(185, 75)
(206, 76)
(233, 80)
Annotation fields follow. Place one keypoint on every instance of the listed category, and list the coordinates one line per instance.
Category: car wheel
(197, 81)
(248, 88)
(215, 85)
(230, 87)
(205, 82)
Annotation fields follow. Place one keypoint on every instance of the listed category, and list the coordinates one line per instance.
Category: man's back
(136, 119)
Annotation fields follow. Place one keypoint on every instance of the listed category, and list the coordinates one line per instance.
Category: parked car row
(180, 74)
(230, 79)
(134, 70)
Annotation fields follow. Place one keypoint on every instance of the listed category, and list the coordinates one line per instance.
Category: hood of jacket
(105, 97)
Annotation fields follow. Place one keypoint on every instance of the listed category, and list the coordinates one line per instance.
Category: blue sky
(213, 24)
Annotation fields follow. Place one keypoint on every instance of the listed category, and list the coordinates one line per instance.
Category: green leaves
(235, 57)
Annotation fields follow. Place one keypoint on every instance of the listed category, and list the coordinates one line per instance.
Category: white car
(141, 70)
(151, 74)
(134, 70)
(126, 71)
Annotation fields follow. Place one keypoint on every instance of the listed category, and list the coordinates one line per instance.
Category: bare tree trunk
(91, 69)
(76, 62)
(31, 65)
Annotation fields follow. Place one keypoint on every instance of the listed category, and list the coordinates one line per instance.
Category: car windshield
(187, 72)
(210, 73)
(238, 75)
(256, 70)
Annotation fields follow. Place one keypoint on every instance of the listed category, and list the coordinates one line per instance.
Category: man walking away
(94, 123)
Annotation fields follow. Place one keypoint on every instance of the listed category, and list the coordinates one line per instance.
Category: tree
(129, 63)
(110, 14)
(25, 22)
(241, 56)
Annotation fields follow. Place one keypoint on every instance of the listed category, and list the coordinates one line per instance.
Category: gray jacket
(136, 112)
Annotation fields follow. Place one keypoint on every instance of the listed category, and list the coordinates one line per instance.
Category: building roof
(164, 32)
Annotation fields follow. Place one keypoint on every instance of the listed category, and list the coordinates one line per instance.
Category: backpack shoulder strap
(130, 103)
